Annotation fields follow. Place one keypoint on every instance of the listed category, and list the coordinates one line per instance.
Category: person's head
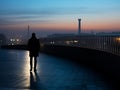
(33, 35)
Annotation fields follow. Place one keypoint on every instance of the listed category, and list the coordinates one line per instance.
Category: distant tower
(28, 31)
(79, 26)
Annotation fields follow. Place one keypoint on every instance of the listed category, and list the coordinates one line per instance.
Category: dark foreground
(52, 74)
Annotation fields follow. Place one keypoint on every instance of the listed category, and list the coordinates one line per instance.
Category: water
(53, 73)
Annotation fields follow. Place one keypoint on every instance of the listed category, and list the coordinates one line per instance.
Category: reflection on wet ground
(52, 74)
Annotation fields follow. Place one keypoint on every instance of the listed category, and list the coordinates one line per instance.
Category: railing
(108, 43)
(105, 43)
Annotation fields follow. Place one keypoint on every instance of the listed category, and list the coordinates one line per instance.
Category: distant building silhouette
(28, 31)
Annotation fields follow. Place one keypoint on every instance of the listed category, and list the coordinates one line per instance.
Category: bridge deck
(52, 74)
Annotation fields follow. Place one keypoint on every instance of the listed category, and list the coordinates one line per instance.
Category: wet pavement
(53, 73)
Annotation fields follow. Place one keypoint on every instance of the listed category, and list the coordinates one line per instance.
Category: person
(33, 47)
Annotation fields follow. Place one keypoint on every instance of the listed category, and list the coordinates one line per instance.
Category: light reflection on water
(26, 63)
(31, 77)
(25, 68)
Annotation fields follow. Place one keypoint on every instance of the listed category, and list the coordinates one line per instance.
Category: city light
(75, 41)
(69, 42)
(117, 39)
(14, 41)
(52, 42)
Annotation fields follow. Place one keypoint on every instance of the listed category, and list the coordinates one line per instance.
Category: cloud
(44, 15)
(14, 17)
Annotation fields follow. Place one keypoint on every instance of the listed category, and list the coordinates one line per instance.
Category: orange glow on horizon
(100, 25)
(93, 25)
(56, 26)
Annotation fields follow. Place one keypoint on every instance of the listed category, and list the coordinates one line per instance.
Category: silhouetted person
(33, 47)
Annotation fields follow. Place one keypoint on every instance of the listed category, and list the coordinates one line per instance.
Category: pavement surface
(53, 73)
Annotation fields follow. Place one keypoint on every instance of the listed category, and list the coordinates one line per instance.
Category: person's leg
(31, 64)
(35, 63)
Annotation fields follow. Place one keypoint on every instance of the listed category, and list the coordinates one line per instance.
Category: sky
(59, 16)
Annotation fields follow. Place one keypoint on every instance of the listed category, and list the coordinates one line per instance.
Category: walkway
(52, 74)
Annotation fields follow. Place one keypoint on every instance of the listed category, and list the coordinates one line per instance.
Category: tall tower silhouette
(28, 30)
(79, 26)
